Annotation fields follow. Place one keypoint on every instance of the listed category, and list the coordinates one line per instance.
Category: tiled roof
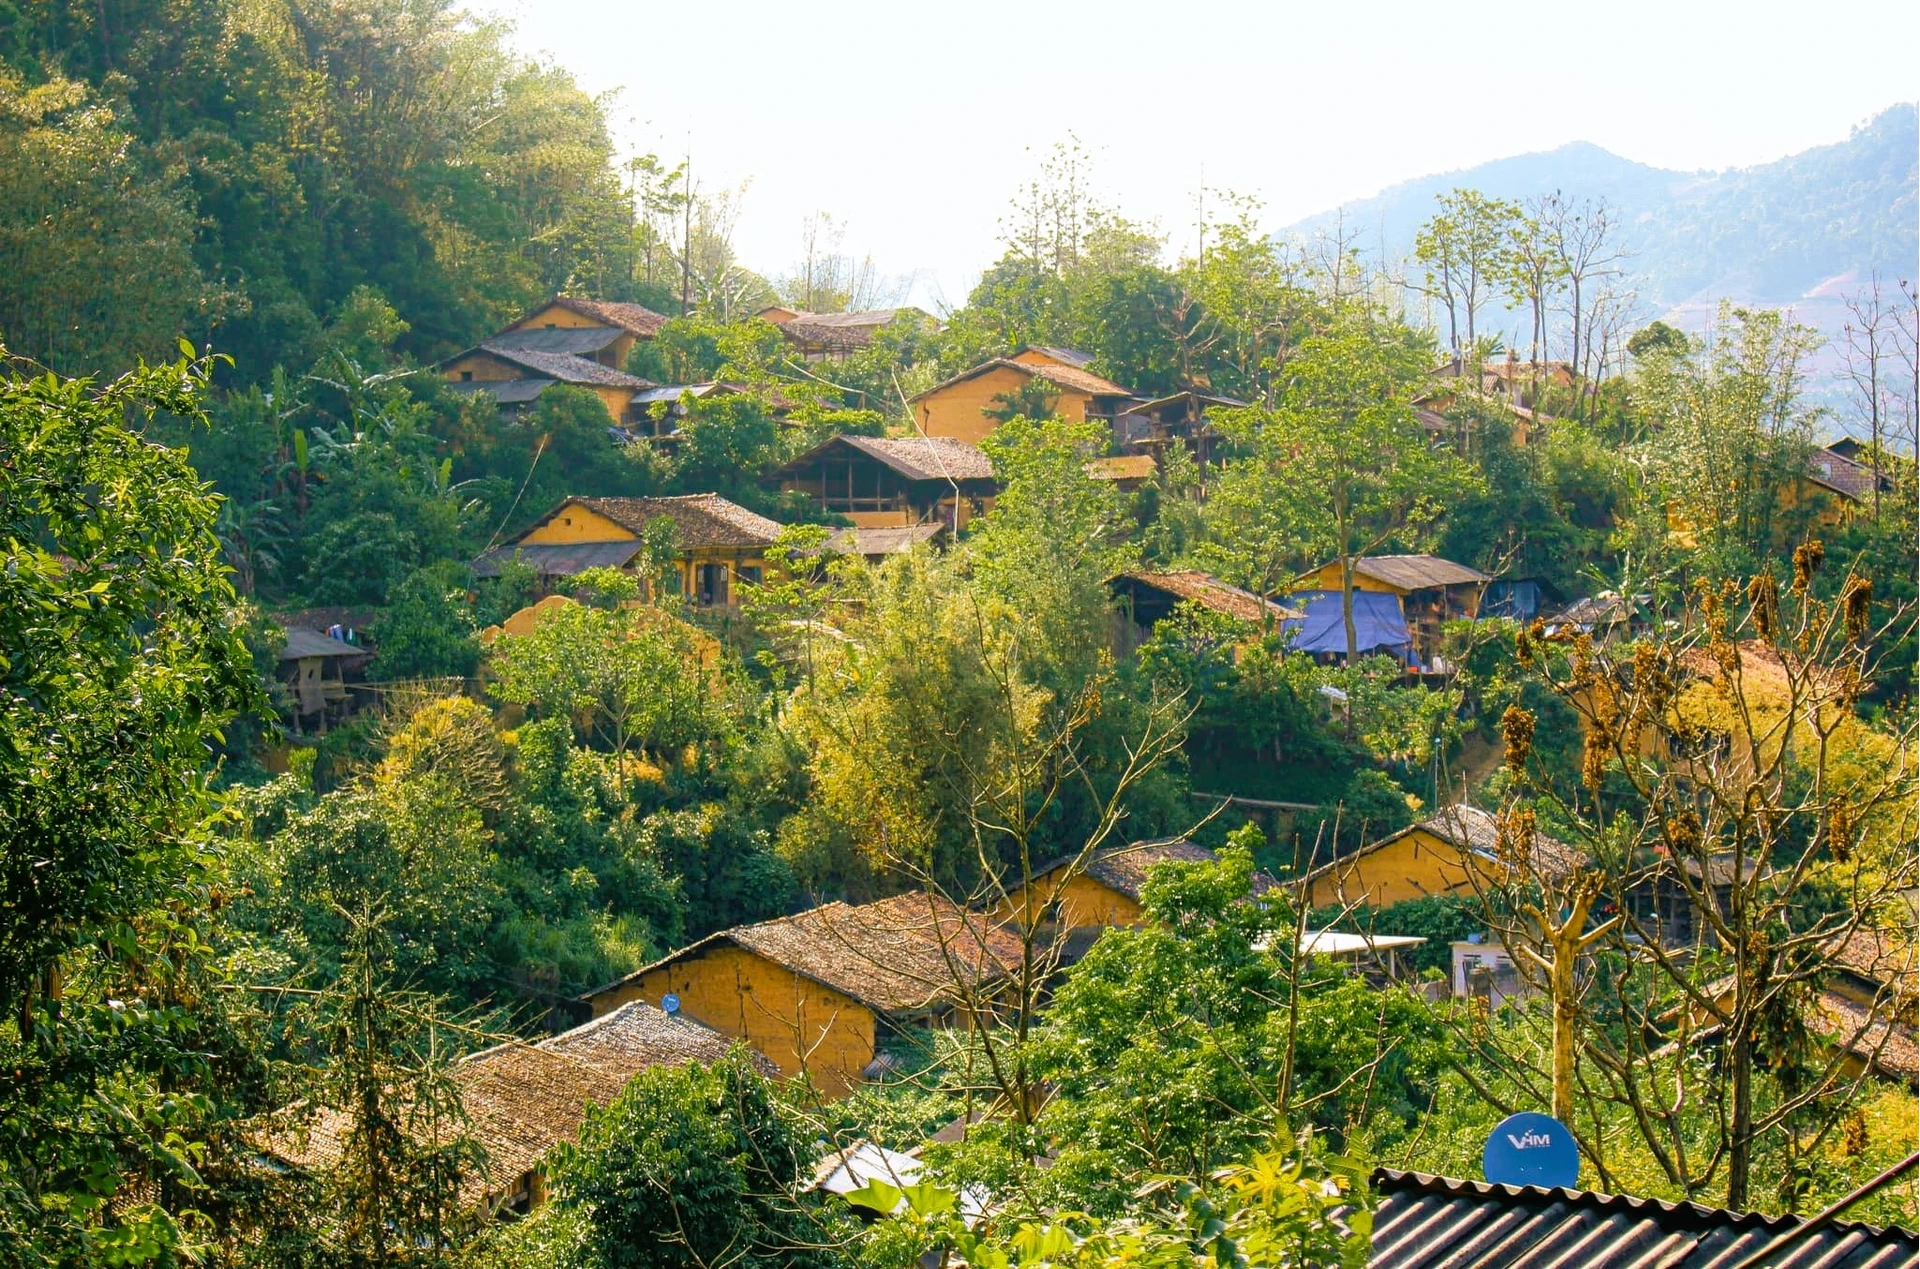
(1831, 470)
(1468, 829)
(899, 955)
(1207, 590)
(1065, 356)
(838, 330)
(558, 559)
(876, 542)
(1471, 828)
(564, 366)
(698, 519)
(1068, 377)
(635, 319)
(573, 340)
(1417, 572)
(1878, 957)
(522, 1099)
(924, 457)
(1429, 1222)
(505, 391)
(1123, 869)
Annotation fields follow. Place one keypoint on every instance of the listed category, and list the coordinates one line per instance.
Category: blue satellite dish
(1532, 1149)
(670, 1004)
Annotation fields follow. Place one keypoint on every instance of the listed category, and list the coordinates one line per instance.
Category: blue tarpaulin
(1378, 621)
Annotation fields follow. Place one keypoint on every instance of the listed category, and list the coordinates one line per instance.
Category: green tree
(1339, 459)
(121, 662)
(1466, 249)
(427, 629)
(629, 679)
(1733, 432)
(96, 235)
(694, 1165)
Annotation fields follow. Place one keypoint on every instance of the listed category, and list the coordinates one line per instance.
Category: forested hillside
(529, 743)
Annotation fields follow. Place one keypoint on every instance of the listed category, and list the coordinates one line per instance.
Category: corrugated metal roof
(558, 560)
(1427, 1221)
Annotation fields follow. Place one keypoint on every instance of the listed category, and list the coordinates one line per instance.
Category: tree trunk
(1740, 1125)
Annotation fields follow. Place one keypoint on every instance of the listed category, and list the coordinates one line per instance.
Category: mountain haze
(1800, 231)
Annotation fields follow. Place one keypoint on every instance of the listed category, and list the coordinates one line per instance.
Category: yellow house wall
(959, 410)
(1328, 578)
(1413, 867)
(796, 1023)
(1083, 902)
(483, 368)
(899, 519)
(1034, 357)
(578, 524)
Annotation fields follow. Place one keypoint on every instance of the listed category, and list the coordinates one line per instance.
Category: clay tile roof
(1879, 958)
(889, 954)
(635, 319)
(565, 367)
(699, 520)
(1123, 869)
(522, 1100)
(925, 457)
(573, 340)
(1431, 1222)
(1417, 572)
(1830, 470)
(900, 955)
(1066, 356)
(1210, 592)
(1069, 377)
(839, 330)
(1468, 829)
(874, 543)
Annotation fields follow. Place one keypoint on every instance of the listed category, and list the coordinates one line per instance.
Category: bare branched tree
(1739, 832)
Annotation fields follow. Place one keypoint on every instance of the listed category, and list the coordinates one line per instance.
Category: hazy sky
(914, 123)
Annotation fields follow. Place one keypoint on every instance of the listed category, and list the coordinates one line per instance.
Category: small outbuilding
(318, 670)
(1319, 628)
(1431, 590)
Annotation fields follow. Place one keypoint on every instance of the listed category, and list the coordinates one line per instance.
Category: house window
(750, 573)
(466, 376)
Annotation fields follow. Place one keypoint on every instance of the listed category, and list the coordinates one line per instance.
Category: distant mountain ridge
(1800, 231)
